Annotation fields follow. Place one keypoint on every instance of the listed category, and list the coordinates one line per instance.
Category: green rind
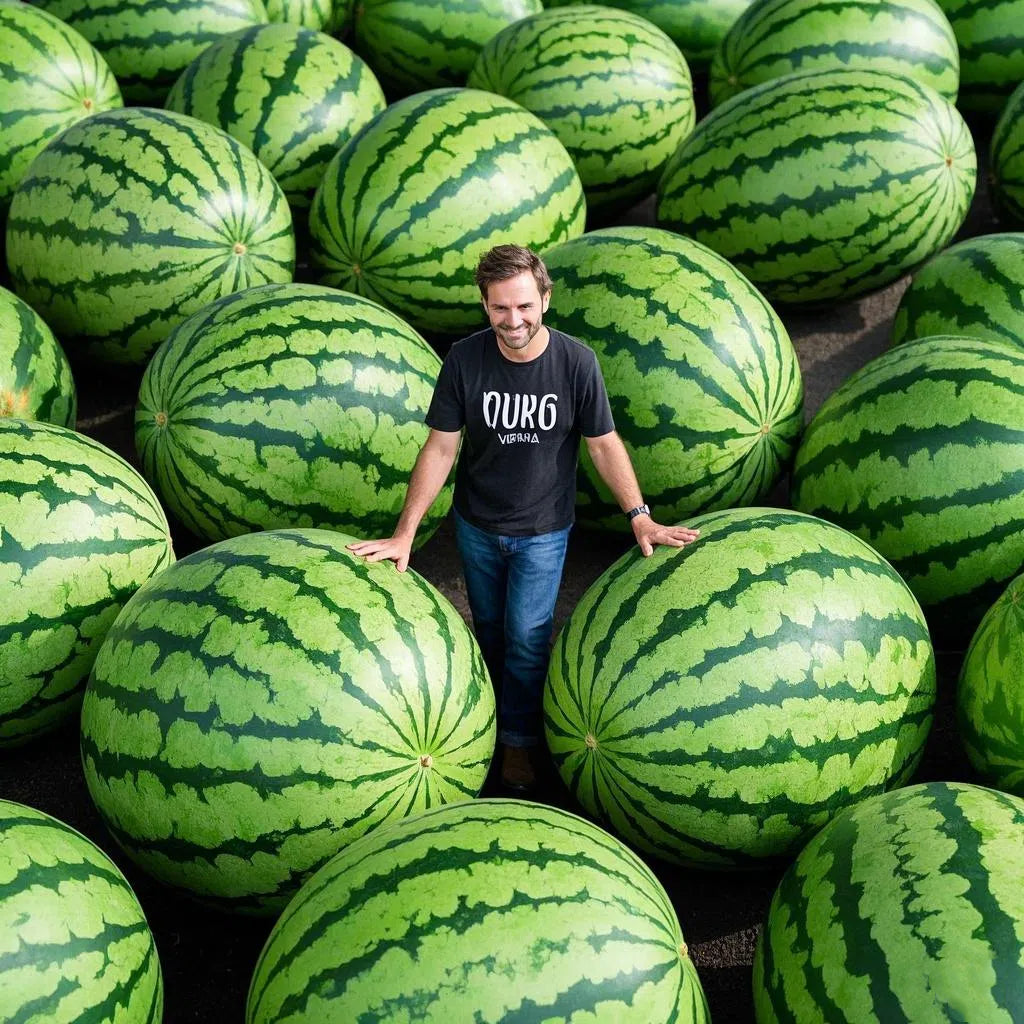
(427, 44)
(613, 87)
(521, 913)
(292, 95)
(50, 77)
(1006, 159)
(695, 26)
(974, 288)
(702, 378)
(990, 693)
(823, 185)
(288, 405)
(409, 205)
(772, 38)
(81, 532)
(717, 704)
(74, 943)
(133, 220)
(271, 698)
(990, 34)
(921, 453)
(35, 376)
(148, 43)
(907, 909)
(319, 15)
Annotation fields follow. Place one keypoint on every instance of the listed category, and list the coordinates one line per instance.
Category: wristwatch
(640, 510)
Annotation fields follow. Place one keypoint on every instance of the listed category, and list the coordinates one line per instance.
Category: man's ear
(545, 299)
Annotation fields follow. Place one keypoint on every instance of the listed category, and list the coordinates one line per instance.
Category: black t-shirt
(523, 422)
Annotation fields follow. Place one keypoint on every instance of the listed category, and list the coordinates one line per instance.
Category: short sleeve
(594, 413)
(447, 408)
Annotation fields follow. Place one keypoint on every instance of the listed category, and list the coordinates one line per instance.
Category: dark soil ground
(208, 957)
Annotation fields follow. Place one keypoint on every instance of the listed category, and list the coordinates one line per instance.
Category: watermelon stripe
(915, 162)
(181, 235)
(772, 38)
(52, 77)
(77, 945)
(287, 405)
(774, 687)
(613, 87)
(346, 640)
(943, 410)
(914, 892)
(149, 42)
(1002, 929)
(383, 226)
(973, 288)
(410, 932)
(290, 94)
(724, 417)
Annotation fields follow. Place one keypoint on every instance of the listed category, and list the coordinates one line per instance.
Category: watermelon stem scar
(426, 761)
(14, 403)
(87, 103)
(684, 950)
(240, 249)
(591, 741)
(161, 418)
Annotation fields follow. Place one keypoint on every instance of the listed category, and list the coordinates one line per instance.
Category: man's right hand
(395, 548)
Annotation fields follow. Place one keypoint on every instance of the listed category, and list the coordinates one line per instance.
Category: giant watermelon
(825, 184)
(271, 698)
(717, 704)
(135, 218)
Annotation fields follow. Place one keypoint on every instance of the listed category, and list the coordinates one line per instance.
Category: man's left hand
(648, 533)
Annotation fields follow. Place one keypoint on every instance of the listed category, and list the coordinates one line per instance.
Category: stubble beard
(516, 344)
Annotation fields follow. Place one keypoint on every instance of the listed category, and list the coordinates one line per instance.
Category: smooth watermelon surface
(134, 219)
(1007, 159)
(81, 532)
(715, 705)
(990, 34)
(290, 94)
(148, 43)
(772, 38)
(907, 907)
(51, 78)
(702, 378)
(410, 203)
(990, 693)
(492, 910)
(74, 943)
(612, 86)
(921, 453)
(426, 44)
(823, 185)
(268, 700)
(972, 288)
(288, 405)
(35, 376)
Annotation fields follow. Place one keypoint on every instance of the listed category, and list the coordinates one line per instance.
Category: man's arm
(433, 464)
(612, 461)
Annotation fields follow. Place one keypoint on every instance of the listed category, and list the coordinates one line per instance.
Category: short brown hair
(507, 261)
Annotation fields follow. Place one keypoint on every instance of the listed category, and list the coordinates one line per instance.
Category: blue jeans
(512, 584)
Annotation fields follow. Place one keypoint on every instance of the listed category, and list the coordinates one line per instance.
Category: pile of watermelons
(238, 238)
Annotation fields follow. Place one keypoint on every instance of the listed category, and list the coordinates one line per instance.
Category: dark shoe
(518, 768)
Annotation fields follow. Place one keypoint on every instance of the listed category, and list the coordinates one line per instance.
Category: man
(523, 395)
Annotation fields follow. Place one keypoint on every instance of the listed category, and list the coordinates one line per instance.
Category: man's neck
(538, 343)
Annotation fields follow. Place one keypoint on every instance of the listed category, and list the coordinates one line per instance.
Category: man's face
(515, 308)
